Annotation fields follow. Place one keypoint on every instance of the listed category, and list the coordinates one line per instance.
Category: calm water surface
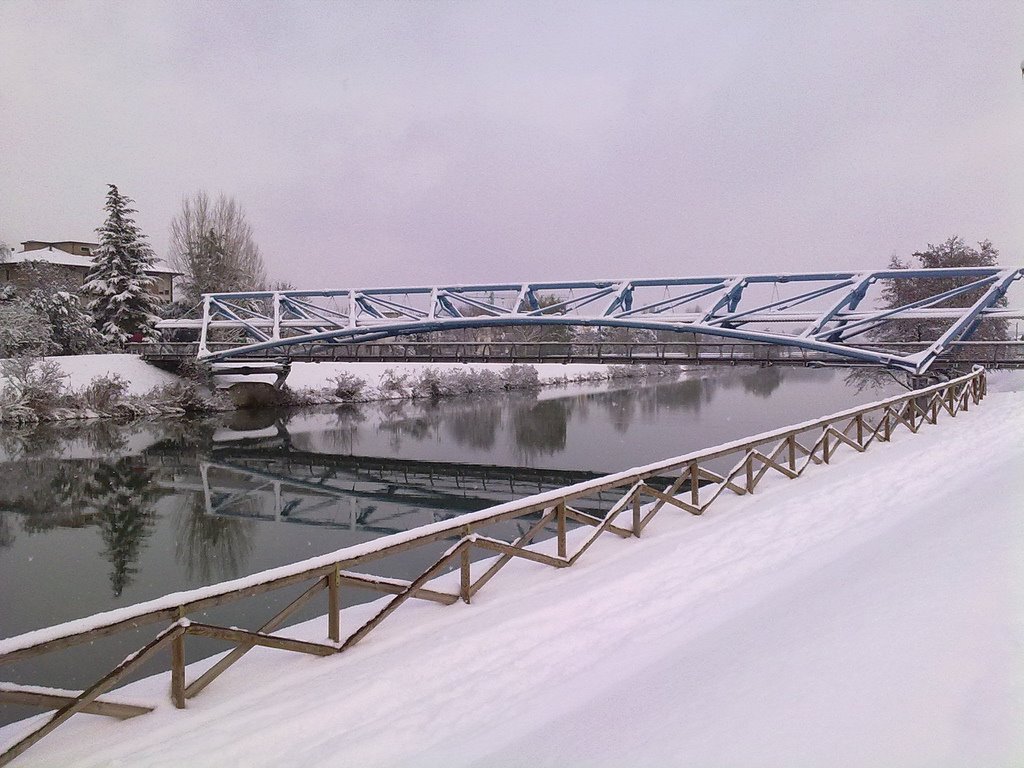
(98, 516)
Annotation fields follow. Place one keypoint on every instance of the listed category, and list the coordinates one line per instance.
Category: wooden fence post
(694, 484)
(465, 565)
(560, 523)
(334, 605)
(178, 670)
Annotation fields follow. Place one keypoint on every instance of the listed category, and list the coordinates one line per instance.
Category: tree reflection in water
(540, 427)
(123, 494)
(762, 381)
(398, 424)
(48, 494)
(476, 424)
(343, 433)
(6, 534)
(211, 547)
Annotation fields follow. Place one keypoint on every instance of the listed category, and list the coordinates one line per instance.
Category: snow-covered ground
(141, 377)
(870, 613)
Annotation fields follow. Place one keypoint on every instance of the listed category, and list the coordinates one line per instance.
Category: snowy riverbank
(81, 370)
(121, 385)
(869, 613)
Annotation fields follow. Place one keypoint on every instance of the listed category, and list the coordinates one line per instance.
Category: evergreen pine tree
(122, 304)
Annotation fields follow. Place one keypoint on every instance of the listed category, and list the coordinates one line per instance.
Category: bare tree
(212, 245)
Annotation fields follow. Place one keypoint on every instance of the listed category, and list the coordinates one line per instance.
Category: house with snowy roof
(64, 264)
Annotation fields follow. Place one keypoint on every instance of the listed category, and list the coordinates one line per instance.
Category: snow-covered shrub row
(35, 389)
(454, 382)
(643, 371)
(430, 383)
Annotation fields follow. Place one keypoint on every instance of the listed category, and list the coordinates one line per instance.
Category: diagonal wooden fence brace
(91, 693)
(55, 698)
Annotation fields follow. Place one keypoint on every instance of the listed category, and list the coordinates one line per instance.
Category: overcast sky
(377, 143)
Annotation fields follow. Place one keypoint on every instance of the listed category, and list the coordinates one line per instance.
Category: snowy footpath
(870, 613)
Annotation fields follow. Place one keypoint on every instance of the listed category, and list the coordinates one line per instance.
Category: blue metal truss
(822, 312)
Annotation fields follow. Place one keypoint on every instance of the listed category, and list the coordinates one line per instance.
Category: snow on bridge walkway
(868, 614)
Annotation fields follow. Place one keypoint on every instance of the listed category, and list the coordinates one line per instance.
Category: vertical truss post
(204, 331)
(276, 336)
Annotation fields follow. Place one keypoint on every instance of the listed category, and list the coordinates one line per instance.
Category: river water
(98, 516)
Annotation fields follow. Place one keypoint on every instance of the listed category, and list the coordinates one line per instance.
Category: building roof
(51, 256)
(57, 256)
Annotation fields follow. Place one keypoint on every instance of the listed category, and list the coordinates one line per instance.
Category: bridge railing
(633, 494)
(988, 353)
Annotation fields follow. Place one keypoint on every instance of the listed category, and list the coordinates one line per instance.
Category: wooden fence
(788, 451)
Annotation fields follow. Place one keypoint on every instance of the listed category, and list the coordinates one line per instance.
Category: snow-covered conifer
(122, 304)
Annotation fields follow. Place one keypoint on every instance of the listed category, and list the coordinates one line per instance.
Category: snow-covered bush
(186, 395)
(430, 383)
(520, 377)
(105, 393)
(298, 398)
(435, 384)
(482, 381)
(32, 388)
(393, 385)
(348, 386)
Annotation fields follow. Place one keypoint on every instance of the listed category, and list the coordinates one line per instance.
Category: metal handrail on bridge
(788, 451)
(991, 354)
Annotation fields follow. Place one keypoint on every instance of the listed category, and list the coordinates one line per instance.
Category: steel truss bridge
(805, 318)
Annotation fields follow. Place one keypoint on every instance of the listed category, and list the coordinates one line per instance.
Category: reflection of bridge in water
(368, 494)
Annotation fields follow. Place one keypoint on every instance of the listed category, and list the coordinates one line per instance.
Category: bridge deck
(999, 354)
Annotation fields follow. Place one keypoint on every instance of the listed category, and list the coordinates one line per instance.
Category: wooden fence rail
(788, 451)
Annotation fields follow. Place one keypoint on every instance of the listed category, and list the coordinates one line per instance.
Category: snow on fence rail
(786, 451)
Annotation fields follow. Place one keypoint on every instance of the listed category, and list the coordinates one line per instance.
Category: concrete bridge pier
(255, 391)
